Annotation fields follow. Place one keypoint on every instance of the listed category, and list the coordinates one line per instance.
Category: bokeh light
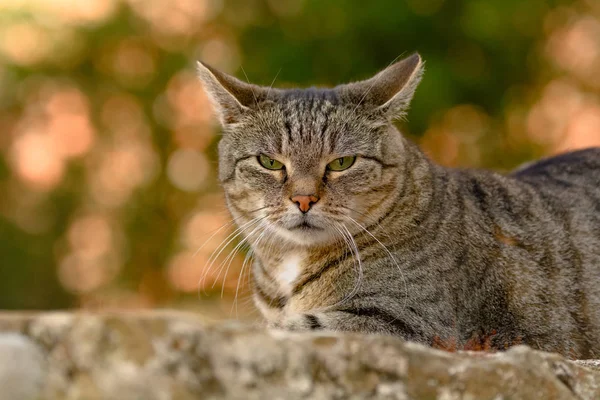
(188, 169)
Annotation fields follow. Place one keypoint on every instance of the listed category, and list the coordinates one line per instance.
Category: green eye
(342, 163)
(269, 163)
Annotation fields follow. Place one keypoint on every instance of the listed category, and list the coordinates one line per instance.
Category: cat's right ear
(231, 98)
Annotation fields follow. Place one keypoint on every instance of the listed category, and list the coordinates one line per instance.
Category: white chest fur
(288, 272)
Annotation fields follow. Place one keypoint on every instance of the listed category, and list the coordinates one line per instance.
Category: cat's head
(311, 165)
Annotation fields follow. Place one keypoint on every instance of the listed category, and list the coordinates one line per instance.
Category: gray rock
(173, 356)
(22, 368)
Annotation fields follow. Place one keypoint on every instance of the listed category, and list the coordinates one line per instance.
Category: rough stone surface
(22, 368)
(172, 356)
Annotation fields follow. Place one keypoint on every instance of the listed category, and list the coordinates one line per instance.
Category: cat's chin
(306, 235)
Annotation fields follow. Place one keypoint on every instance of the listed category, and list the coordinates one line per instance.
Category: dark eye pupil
(341, 161)
(271, 161)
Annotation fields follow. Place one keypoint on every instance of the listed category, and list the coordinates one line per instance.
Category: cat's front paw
(299, 322)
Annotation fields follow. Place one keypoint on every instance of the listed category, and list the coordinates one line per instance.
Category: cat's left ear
(391, 90)
(231, 98)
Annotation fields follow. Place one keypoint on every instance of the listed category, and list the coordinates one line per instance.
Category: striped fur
(397, 244)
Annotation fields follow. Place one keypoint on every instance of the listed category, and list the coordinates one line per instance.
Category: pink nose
(304, 202)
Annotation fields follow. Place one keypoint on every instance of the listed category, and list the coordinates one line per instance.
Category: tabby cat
(353, 228)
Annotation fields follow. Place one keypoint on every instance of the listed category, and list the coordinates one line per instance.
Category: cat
(353, 228)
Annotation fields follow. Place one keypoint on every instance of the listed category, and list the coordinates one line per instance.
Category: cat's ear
(391, 90)
(231, 98)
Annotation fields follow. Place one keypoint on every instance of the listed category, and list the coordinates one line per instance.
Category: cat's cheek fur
(362, 179)
(254, 176)
(253, 187)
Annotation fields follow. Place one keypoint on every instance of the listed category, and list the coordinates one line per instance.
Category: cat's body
(396, 244)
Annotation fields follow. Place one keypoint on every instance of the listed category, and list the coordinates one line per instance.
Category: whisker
(226, 264)
(229, 259)
(233, 220)
(248, 80)
(237, 287)
(360, 268)
(247, 258)
(389, 254)
(366, 215)
(351, 244)
(216, 232)
(223, 245)
(273, 82)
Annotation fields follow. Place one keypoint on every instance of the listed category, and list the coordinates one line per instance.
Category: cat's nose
(304, 202)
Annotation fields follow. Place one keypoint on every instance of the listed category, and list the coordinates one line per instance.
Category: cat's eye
(342, 163)
(269, 163)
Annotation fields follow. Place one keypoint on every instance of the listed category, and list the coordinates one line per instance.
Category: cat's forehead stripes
(311, 124)
(306, 122)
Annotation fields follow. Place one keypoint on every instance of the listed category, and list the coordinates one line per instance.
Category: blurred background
(108, 196)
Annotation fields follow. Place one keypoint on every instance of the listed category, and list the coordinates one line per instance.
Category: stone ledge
(173, 355)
